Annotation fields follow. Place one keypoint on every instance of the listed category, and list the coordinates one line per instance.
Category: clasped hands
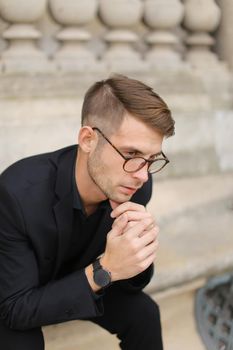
(132, 243)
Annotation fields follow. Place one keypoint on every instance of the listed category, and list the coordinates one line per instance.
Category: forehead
(137, 134)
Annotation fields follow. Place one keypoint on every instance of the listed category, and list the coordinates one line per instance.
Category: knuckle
(138, 256)
(150, 215)
(126, 205)
(154, 256)
(142, 207)
(131, 224)
(127, 239)
(142, 266)
(147, 224)
(134, 248)
(132, 245)
(155, 232)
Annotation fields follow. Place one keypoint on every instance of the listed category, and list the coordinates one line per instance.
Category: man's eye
(130, 154)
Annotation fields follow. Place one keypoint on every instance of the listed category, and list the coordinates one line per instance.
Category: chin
(122, 198)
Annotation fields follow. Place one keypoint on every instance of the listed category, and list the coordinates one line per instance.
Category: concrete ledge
(75, 83)
(77, 335)
(196, 220)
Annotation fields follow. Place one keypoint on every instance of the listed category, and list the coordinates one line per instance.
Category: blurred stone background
(50, 53)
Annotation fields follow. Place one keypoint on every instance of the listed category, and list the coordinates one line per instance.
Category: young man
(76, 241)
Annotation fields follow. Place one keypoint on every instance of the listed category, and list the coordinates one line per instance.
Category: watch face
(102, 278)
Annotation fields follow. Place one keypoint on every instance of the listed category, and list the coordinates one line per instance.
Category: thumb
(119, 225)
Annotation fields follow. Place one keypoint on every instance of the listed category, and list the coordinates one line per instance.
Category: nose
(141, 174)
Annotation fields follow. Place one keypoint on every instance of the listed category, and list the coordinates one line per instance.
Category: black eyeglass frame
(146, 161)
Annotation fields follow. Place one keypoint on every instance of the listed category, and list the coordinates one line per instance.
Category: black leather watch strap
(96, 264)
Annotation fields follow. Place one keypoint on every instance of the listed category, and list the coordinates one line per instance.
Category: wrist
(105, 263)
(101, 276)
(89, 275)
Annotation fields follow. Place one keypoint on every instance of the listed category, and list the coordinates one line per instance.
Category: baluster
(119, 16)
(225, 32)
(162, 16)
(22, 53)
(2, 42)
(201, 17)
(73, 15)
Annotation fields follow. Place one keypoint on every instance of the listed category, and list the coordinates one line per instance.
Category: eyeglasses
(131, 165)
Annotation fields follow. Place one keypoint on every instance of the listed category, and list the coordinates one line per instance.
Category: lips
(128, 190)
(131, 188)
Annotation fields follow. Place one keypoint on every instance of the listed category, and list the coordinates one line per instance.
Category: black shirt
(84, 229)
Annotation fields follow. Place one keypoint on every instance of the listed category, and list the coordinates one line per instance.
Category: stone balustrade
(102, 35)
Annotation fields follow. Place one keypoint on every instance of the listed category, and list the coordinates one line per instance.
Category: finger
(130, 224)
(134, 217)
(151, 227)
(144, 264)
(119, 226)
(127, 206)
(149, 260)
(138, 228)
(115, 222)
(149, 250)
(149, 237)
(137, 215)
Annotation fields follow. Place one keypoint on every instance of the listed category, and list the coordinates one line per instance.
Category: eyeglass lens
(135, 164)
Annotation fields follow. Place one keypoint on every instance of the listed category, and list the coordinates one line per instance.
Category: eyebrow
(140, 152)
(157, 154)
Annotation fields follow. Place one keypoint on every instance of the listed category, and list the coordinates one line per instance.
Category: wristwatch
(101, 276)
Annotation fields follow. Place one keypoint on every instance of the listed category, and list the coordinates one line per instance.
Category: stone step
(78, 335)
(177, 318)
(195, 216)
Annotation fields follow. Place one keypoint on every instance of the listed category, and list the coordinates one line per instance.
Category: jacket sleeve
(138, 282)
(24, 303)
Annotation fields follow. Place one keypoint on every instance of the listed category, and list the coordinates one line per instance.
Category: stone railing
(117, 35)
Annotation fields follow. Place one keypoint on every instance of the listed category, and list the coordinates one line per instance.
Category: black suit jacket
(36, 208)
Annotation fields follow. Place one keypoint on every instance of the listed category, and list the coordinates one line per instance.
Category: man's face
(105, 165)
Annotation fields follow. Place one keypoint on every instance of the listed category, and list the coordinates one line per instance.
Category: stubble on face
(102, 175)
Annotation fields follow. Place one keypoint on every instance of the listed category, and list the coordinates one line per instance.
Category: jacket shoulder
(33, 169)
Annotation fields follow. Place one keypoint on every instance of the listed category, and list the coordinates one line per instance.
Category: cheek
(113, 166)
(108, 165)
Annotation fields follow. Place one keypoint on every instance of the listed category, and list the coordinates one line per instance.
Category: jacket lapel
(63, 209)
(64, 218)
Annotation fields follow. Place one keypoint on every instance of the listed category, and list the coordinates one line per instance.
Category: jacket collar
(65, 166)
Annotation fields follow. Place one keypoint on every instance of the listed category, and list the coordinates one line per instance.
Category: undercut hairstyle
(107, 101)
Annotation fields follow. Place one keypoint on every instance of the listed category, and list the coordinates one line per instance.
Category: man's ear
(87, 139)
